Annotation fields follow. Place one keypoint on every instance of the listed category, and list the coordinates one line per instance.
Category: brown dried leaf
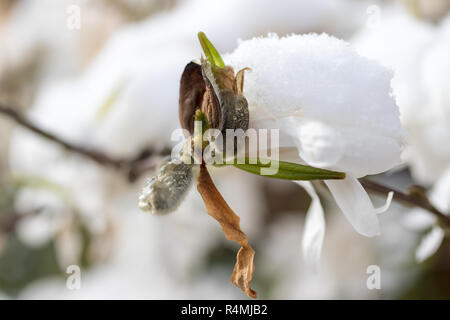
(225, 78)
(243, 270)
(219, 210)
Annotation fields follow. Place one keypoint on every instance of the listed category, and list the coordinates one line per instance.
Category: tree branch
(145, 161)
(405, 198)
(134, 165)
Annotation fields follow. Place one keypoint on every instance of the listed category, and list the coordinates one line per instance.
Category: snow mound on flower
(335, 104)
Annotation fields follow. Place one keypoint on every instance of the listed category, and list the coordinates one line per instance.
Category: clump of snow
(339, 103)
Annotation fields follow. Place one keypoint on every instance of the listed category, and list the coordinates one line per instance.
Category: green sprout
(210, 51)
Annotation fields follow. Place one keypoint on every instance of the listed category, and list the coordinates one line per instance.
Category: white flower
(430, 243)
(334, 107)
(418, 52)
(421, 220)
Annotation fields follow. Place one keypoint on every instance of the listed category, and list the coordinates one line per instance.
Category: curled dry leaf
(225, 78)
(198, 91)
(240, 80)
(192, 89)
(219, 210)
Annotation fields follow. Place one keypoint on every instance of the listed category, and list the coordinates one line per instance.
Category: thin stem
(95, 155)
(407, 199)
(134, 165)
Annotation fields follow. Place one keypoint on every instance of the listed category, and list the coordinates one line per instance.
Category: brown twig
(133, 165)
(408, 199)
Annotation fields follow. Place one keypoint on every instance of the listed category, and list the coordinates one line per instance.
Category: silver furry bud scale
(164, 192)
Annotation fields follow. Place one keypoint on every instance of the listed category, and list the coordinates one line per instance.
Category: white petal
(440, 195)
(429, 244)
(35, 231)
(355, 203)
(314, 229)
(319, 144)
(418, 219)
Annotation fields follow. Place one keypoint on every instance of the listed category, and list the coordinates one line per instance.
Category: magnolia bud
(235, 110)
(218, 94)
(164, 192)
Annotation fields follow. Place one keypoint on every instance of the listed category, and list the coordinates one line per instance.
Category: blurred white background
(111, 83)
